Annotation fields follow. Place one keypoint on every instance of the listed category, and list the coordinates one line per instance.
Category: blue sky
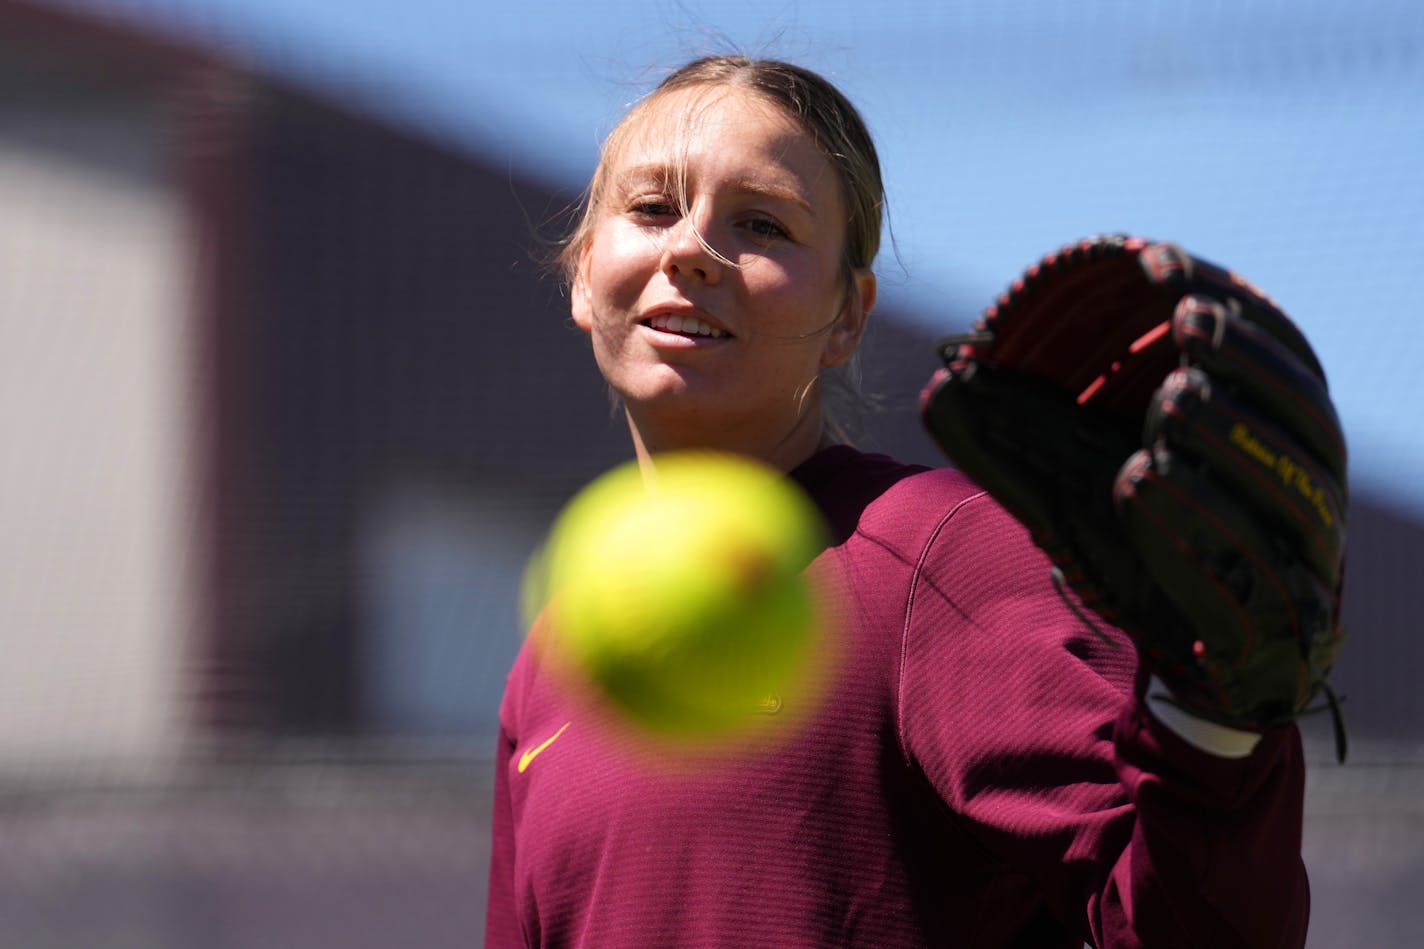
(1282, 137)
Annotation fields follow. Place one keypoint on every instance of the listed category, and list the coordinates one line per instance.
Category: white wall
(95, 467)
(440, 595)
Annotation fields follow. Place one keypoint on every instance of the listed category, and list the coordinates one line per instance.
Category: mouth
(685, 325)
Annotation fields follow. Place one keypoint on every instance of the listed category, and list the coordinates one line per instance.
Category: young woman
(981, 770)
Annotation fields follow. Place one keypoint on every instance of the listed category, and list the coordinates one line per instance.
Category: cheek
(619, 267)
(796, 300)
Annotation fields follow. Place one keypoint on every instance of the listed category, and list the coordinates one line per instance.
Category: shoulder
(908, 533)
(951, 555)
(877, 496)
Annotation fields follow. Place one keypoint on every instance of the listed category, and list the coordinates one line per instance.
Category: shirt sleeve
(1029, 725)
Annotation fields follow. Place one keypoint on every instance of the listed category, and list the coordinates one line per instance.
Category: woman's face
(712, 318)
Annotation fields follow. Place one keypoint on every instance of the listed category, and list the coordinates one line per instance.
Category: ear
(580, 300)
(845, 336)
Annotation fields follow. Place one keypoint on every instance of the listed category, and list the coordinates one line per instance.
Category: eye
(652, 208)
(765, 228)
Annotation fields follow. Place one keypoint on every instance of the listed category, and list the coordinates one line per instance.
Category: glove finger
(1266, 372)
(1193, 275)
(1264, 623)
(1195, 421)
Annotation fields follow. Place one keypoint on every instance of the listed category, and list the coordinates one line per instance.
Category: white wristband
(1198, 732)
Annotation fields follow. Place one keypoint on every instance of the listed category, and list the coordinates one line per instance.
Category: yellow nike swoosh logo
(533, 753)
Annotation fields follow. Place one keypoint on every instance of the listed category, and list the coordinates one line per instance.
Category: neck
(783, 450)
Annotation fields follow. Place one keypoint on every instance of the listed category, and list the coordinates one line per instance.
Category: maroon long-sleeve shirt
(978, 772)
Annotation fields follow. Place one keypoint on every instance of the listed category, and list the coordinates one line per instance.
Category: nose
(688, 254)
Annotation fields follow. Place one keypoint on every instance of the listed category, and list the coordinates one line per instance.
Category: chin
(669, 387)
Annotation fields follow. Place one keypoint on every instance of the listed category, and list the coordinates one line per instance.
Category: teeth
(687, 325)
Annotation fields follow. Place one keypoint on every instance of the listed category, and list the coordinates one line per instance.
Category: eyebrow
(663, 175)
(773, 190)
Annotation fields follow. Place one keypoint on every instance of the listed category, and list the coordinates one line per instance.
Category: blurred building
(290, 395)
(287, 399)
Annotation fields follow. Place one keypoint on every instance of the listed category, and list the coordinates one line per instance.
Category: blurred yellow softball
(678, 590)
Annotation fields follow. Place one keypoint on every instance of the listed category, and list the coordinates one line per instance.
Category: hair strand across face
(805, 97)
